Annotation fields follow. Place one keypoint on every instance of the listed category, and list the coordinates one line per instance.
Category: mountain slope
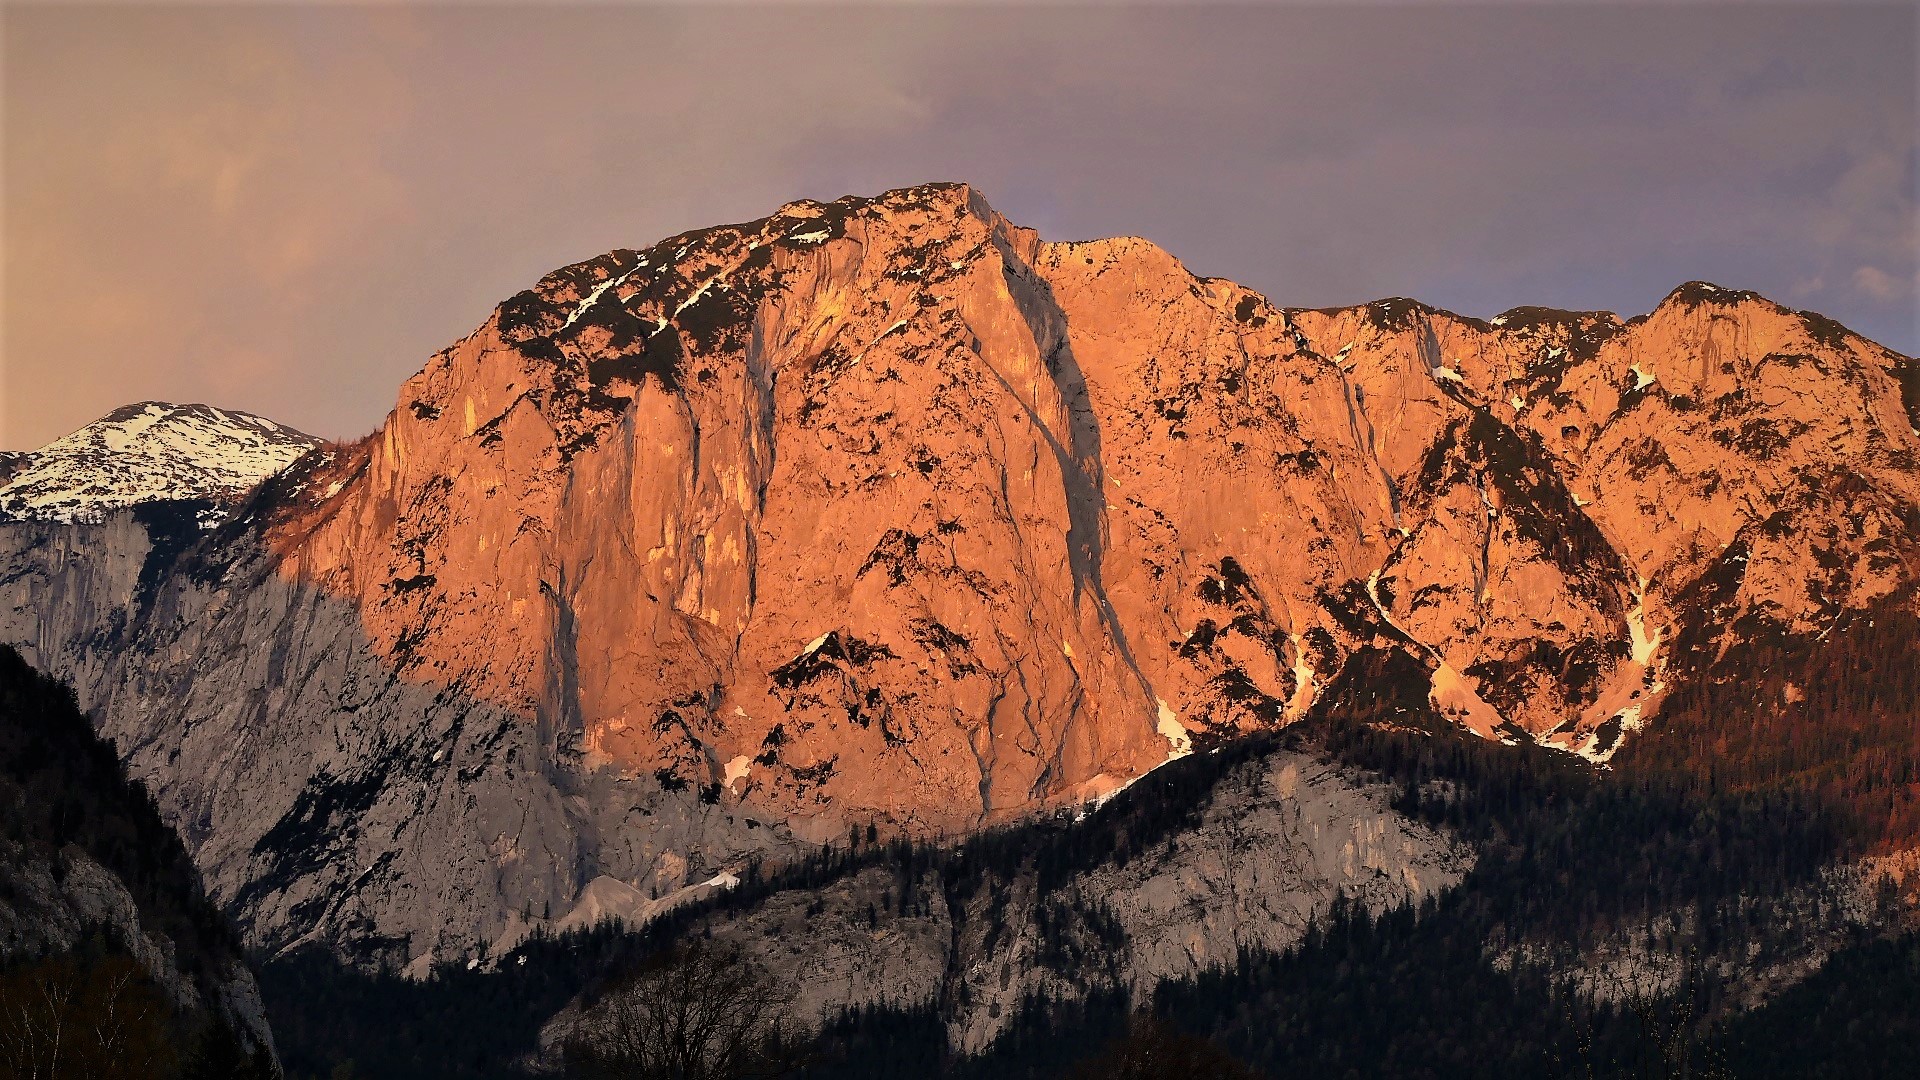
(147, 452)
(888, 511)
(84, 856)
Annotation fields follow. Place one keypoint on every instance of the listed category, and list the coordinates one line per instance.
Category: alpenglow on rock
(886, 510)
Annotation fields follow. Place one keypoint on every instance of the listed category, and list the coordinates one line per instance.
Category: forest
(1715, 835)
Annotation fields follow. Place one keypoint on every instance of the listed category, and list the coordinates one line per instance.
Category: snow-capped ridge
(150, 451)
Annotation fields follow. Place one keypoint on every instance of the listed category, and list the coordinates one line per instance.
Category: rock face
(1265, 852)
(887, 510)
(144, 453)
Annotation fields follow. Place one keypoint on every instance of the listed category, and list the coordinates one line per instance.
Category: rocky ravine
(888, 510)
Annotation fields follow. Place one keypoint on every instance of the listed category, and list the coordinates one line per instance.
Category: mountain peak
(148, 451)
(1694, 293)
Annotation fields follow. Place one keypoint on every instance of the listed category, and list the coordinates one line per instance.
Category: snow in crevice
(1644, 644)
(896, 327)
(697, 294)
(1642, 379)
(1304, 687)
(1373, 594)
(599, 290)
(1645, 653)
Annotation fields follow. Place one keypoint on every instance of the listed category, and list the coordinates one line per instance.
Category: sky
(287, 208)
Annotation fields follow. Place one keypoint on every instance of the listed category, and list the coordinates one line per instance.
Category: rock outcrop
(1263, 854)
(886, 510)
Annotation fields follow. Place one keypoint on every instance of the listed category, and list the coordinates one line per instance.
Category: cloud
(1880, 285)
(288, 209)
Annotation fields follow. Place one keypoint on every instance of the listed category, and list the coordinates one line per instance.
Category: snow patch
(1642, 379)
(737, 770)
(1179, 743)
(593, 297)
(1630, 722)
(1099, 801)
(1304, 688)
(697, 294)
(1644, 644)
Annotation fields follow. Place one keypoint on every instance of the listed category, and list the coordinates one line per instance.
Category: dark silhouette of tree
(1152, 1050)
(702, 1011)
(220, 1054)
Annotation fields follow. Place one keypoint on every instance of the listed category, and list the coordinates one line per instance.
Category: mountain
(887, 512)
(91, 878)
(143, 453)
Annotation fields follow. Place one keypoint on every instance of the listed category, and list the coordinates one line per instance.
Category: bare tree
(104, 1020)
(1668, 1037)
(698, 1012)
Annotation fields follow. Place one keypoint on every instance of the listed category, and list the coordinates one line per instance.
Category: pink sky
(286, 209)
